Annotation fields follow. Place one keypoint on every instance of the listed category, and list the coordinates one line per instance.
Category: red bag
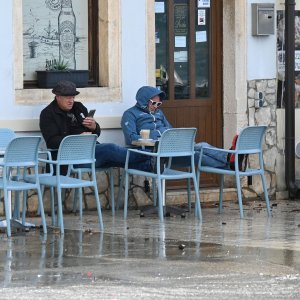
(231, 157)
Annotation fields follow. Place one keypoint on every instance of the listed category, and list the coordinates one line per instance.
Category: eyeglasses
(155, 103)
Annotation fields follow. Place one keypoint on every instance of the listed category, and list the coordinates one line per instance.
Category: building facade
(118, 41)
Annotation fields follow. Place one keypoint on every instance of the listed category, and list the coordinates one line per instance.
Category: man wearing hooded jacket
(145, 114)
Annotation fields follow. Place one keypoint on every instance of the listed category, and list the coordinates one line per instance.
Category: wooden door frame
(216, 67)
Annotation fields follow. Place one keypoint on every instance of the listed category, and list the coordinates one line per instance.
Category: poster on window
(180, 19)
(203, 3)
(54, 31)
(201, 17)
(281, 58)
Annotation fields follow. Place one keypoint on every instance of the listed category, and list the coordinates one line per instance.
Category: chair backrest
(251, 138)
(177, 142)
(6, 135)
(22, 151)
(77, 149)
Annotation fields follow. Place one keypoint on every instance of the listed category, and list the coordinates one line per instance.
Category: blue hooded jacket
(139, 117)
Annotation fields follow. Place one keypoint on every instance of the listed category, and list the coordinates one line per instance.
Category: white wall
(261, 50)
(9, 109)
(134, 69)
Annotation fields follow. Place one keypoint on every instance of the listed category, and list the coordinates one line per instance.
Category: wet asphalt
(222, 257)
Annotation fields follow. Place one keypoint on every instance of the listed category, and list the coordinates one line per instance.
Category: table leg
(168, 210)
(14, 223)
(3, 223)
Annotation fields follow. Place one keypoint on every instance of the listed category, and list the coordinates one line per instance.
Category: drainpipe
(290, 97)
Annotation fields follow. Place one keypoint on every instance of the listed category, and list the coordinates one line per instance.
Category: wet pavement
(222, 257)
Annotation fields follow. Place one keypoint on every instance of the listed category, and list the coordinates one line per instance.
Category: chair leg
(121, 185)
(126, 196)
(16, 212)
(197, 200)
(160, 198)
(221, 193)
(42, 191)
(7, 213)
(154, 192)
(263, 179)
(239, 193)
(189, 194)
(75, 201)
(41, 204)
(52, 198)
(80, 193)
(24, 207)
(60, 210)
(112, 194)
(198, 183)
(98, 207)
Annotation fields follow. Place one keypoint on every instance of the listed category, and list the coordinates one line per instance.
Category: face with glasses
(154, 103)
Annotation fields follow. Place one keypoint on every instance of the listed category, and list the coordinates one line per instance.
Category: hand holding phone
(91, 113)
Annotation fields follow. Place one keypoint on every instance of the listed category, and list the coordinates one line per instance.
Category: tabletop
(144, 143)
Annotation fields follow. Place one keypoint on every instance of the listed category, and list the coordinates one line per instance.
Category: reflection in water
(48, 255)
(8, 263)
(35, 259)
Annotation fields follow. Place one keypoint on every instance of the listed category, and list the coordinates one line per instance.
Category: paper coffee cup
(145, 133)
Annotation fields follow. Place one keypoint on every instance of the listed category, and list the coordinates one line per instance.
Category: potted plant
(57, 70)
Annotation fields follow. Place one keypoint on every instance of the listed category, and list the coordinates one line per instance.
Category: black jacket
(54, 126)
(54, 123)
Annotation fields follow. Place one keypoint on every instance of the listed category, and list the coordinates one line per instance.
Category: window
(62, 32)
(182, 39)
(103, 58)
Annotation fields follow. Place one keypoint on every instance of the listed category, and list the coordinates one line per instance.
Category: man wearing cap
(145, 114)
(64, 116)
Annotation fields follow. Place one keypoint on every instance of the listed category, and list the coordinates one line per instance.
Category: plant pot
(48, 79)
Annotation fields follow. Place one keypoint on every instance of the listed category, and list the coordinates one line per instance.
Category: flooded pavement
(221, 257)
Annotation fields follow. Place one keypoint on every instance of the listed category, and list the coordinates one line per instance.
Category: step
(179, 197)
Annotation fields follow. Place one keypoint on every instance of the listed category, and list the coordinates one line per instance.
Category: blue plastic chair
(249, 142)
(73, 150)
(175, 142)
(21, 153)
(6, 135)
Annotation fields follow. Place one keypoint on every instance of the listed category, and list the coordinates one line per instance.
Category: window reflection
(189, 59)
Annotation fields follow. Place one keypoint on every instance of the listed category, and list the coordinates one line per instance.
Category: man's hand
(89, 123)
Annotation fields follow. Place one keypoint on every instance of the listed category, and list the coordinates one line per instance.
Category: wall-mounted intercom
(263, 20)
(259, 99)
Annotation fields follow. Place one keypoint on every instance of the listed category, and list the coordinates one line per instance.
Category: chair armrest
(48, 161)
(154, 154)
(220, 149)
(47, 153)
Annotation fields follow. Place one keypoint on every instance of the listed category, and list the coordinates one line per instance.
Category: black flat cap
(65, 88)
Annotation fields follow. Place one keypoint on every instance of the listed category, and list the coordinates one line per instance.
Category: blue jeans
(211, 157)
(112, 155)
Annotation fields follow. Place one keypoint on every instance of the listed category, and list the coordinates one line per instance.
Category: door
(188, 39)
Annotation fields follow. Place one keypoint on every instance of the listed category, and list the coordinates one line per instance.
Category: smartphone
(91, 113)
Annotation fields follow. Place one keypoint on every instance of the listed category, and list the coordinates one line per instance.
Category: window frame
(104, 57)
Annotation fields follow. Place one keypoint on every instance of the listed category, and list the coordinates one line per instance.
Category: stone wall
(137, 195)
(264, 115)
